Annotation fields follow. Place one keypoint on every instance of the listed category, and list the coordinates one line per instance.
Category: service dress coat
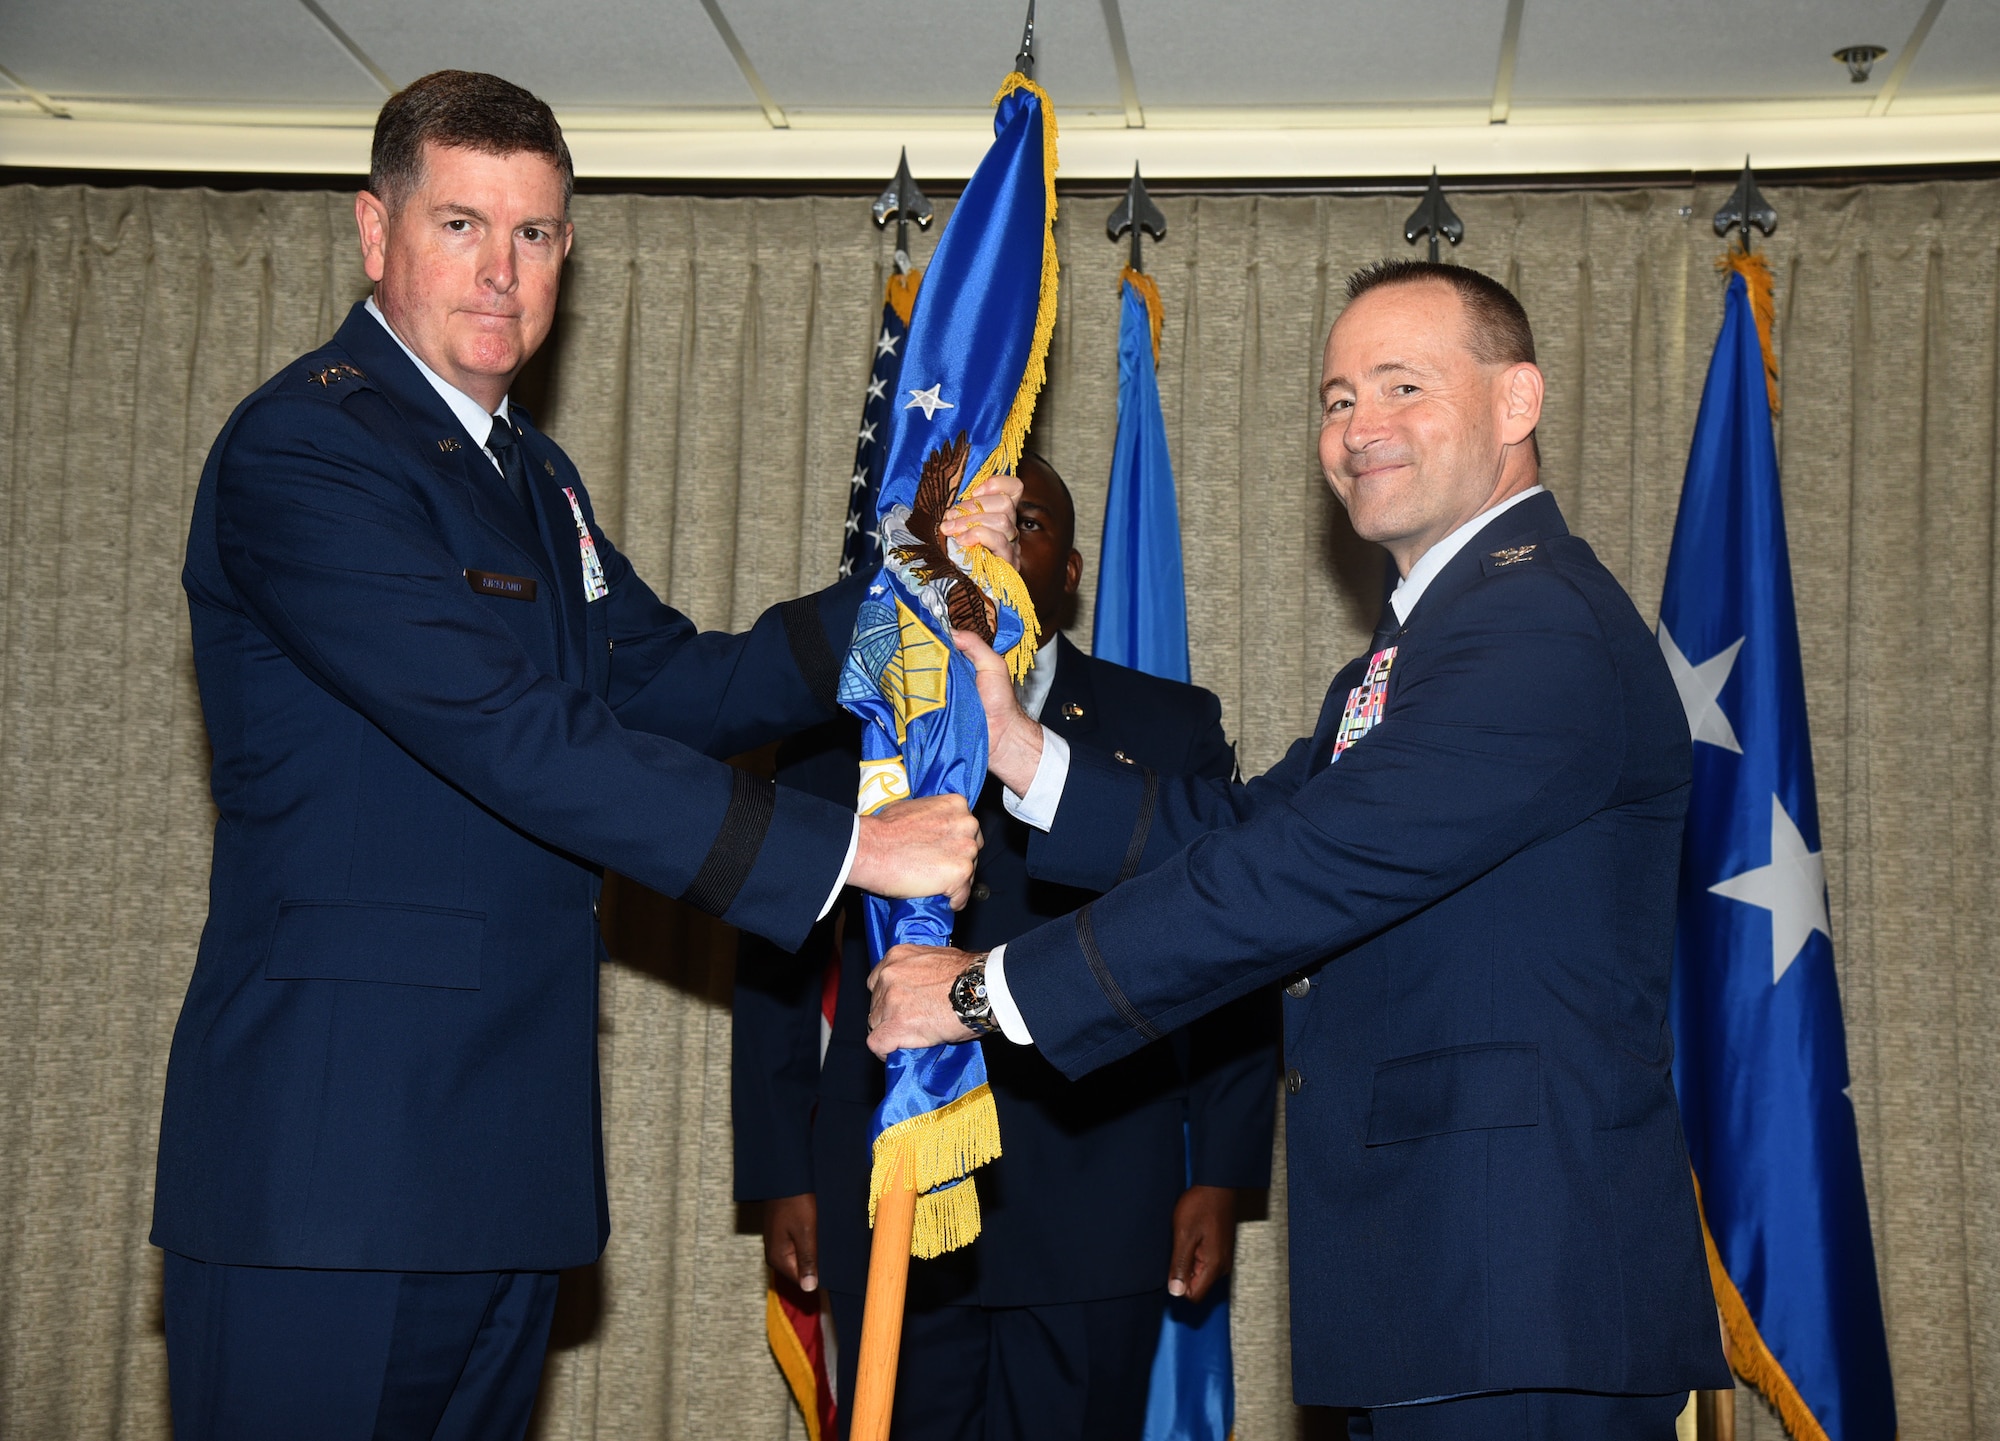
(1079, 1206)
(1473, 911)
(433, 725)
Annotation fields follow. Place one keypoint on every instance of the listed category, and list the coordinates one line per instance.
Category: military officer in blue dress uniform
(440, 703)
(1465, 877)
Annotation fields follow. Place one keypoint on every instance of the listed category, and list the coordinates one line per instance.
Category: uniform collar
(1034, 690)
(476, 419)
(1403, 599)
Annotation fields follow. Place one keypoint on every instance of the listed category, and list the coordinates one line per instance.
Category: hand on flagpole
(926, 846)
(1204, 1240)
(1013, 737)
(986, 517)
(912, 1007)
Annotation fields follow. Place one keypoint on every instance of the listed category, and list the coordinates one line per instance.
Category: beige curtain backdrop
(706, 375)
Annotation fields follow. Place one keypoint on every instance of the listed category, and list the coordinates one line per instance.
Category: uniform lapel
(456, 456)
(560, 540)
(1535, 519)
(1071, 707)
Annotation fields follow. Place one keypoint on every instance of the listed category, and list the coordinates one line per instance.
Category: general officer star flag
(1760, 1052)
(972, 366)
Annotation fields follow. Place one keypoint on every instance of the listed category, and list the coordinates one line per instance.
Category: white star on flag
(1701, 690)
(885, 343)
(853, 523)
(860, 481)
(928, 402)
(867, 435)
(1792, 888)
(878, 388)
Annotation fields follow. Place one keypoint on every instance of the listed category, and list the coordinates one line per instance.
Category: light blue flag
(1142, 622)
(1761, 1053)
(1141, 618)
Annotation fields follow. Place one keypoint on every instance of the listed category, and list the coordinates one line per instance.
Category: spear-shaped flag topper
(1746, 207)
(1136, 213)
(903, 202)
(1434, 215)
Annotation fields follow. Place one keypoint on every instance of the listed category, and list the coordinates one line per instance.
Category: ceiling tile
(1306, 52)
(1961, 55)
(219, 51)
(948, 54)
(585, 52)
(1703, 49)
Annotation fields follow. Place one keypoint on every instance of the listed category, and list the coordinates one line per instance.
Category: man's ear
(1073, 573)
(371, 218)
(1520, 402)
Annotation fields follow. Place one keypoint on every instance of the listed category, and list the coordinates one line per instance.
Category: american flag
(861, 543)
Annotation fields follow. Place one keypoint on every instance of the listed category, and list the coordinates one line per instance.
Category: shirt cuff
(1038, 807)
(1004, 1010)
(853, 845)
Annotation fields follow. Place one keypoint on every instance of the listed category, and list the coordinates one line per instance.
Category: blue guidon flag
(972, 366)
(1761, 1052)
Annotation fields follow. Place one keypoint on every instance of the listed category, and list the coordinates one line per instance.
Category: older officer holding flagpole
(441, 703)
(1466, 878)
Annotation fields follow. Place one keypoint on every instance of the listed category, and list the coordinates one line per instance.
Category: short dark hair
(1497, 330)
(461, 108)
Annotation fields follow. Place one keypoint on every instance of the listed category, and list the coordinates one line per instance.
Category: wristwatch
(969, 1000)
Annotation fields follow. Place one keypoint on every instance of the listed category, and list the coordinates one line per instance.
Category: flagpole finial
(1024, 60)
(1434, 216)
(904, 202)
(1746, 207)
(1137, 214)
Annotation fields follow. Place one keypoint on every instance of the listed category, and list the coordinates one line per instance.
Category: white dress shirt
(1038, 807)
(479, 424)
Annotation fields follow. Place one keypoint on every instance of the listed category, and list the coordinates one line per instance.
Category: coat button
(982, 892)
(1072, 711)
(1298, 988)
(1294, 1082)
(1122, 758)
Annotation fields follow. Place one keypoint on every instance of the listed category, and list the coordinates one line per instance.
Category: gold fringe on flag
(997, 578)
(792, 1361)
(1749, 1357)
(942, 1145)
(900, 294)
(1756, 273)
(1140, 281)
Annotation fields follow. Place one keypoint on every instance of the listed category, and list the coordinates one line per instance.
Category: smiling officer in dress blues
(441, 703)
(1466, 876)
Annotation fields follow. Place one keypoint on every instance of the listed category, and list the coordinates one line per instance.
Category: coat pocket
(1462, 1088)
(359, 941)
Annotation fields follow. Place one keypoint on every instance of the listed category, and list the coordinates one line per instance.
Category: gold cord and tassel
(940, 1146)
(1149, 292)
(1756, 273)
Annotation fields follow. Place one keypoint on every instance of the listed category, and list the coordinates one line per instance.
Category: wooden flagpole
(882, 1313)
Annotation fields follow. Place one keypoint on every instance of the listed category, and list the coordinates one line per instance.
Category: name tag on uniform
(594, 587)
(510, 587)
(1364, 702)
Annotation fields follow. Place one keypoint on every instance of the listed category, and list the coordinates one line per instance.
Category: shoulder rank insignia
(328, 374)
(1513, 555)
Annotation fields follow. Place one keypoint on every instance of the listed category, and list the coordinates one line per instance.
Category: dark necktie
(506, 448)
(1387, 631)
